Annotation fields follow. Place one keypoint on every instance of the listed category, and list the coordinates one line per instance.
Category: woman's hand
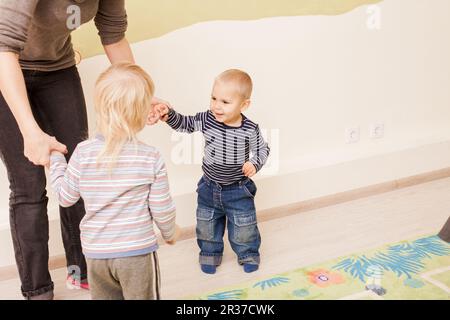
(38, 147)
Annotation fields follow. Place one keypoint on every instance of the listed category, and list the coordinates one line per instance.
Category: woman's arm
(37, 144)
(12, 86)
(111, 22)
(119, 51)
(14, 25)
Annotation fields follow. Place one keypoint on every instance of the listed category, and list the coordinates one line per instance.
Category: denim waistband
(220, 186)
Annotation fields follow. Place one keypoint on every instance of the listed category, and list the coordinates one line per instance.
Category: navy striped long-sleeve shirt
(226, 148)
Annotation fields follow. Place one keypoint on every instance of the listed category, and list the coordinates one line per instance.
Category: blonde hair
(241, 79)
(122, 99)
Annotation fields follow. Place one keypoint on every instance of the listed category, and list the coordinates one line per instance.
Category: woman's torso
(48, 46)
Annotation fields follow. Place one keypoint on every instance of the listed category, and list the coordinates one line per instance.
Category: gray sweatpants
(130, 278)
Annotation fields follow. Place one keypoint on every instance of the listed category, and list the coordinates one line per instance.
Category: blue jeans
(232, 205)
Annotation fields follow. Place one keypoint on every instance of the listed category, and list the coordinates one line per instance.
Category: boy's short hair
(242, 80)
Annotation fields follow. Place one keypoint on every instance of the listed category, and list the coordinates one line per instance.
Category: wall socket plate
(376, 130)
(352, 135)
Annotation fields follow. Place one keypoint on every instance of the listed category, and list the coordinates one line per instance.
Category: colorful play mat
(415, 269)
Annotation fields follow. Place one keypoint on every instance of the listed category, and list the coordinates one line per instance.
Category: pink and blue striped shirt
(122, 204)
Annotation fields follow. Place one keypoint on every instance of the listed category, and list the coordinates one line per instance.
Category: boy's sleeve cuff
(257, 166)
(171, 113)
(171, 116)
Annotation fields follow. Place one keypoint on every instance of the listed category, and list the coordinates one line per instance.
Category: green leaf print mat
(415, 269)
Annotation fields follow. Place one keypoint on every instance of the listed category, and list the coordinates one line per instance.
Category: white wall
(314, 77)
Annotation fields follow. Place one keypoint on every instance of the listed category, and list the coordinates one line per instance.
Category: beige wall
(314, 77)
(151, 19)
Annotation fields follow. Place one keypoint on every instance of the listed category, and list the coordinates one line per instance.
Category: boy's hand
(248, 169)
(156, 108)
(175, 236)
(163, 111)
(159, 112)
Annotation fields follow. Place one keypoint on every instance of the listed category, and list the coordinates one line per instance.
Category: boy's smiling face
(227, 103)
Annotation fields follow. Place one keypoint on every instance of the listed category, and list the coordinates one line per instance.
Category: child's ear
(245, 104)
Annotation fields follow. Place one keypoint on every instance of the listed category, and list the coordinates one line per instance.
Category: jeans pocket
(250, 188)
(200, 184)
(245, 229)
(205, 224)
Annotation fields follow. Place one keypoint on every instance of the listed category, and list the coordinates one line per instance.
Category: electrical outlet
(376, 130)
(352, 135)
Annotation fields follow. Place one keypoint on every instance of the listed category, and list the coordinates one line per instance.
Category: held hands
(248, 169)
(53, 153)
(159, 111)
(163, 111)
(175, 236)
(37, 148)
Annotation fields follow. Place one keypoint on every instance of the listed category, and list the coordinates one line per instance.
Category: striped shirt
(226, 148)
(122, 203)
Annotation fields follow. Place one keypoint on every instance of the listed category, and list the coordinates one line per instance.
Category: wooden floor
(296, 241)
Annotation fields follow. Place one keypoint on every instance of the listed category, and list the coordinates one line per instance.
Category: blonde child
(234, 152)
(124, 185)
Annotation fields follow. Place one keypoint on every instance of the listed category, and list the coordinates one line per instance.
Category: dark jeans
(232, 205)
(58, 105)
